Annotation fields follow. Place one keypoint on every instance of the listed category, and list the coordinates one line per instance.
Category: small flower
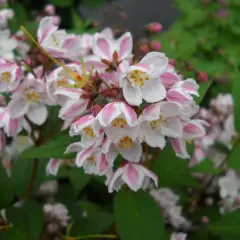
(154, 27)
(160, 120)
(53, 166)
(141, 81)
(5, 15)
(10, 76)
(178, 236)
(131, 174)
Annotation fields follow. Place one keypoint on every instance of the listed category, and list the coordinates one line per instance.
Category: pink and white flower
(118, 120)
(131, 174)
(142, 81)
(53, 166)
(10, 76)
(30, 99)
(159, 120)
(85, 128)
(178, 236)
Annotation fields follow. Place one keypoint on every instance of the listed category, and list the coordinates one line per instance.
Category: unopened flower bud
(237, 200)
(56, 20)
(144, 48)
(123, 15)
(202, 77)
(154, 27)
(222, 13)
(49, 9)
(155, 45)
(96, 109)
(172, 62)
(209, 201)
(205, 220)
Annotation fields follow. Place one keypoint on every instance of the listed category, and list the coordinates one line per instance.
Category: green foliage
(62, 3)
(138, 216)
(236, 99)
(206, 167)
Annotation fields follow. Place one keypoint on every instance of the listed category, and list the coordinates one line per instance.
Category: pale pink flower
(11, 126)
(118, 119)
(2, 140)
(49, 9)
(189, 86)
(5, 15)
(141, 81)
(131, 174)
(178, 236)
(10, 76)
(113, 51)
(169, 78)
(85, 128)
(30, 99)
(159, 120)
(53, 166)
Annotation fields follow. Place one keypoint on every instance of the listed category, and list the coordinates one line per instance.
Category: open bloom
(159, 120)
(5, 15)
(118, 120)
(131, 174)
(30, 99)
(7, 45)
(109, 53)
(142, 80)
(10, 76)
(85, 128)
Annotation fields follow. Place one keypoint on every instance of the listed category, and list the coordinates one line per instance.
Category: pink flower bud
(56, 20)
(172, 62)
(205, 220)
(96, 109)
(49, 9)
(209, 201)
(237, 200)
(222, 13)
(202, 77)
(144, 48)
(154, 27)
(123, 15)
(155, 45)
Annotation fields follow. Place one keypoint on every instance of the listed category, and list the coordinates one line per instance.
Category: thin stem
(106, 236)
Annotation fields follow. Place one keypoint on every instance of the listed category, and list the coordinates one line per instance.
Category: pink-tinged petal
(190, 86)
(153, 91)
(70, 41)
(113, 180)
(53, 166)
(168, 79)
(106, 145)
(178, 95)
(170, 109)
(83, 155)
(102, 165)
(74, 147)
(37, 114)
(143, 67)
(149, 174)
(179, 146)
(132, 95)
(172, 128)
(108, 114)
(158, 61)
(152, 112)
(132, 154)
(123, 67)
(131, 176)
(107, 32)
(125, 45)
(72, 93)
(102, 47)
(82, 123)
(129, 114)
(18, 107)
(193, 129)
(93, 62)
(72, 109)
(13, 127)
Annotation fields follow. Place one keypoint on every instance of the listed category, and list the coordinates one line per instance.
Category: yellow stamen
(119, 122)
(126, 142)
(6, 77)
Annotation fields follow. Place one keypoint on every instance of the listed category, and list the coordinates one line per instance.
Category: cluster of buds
(116, 105)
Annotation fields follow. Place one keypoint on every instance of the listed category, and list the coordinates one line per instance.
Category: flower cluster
(114, 104)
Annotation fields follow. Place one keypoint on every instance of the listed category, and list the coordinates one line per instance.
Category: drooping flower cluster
(113, 103)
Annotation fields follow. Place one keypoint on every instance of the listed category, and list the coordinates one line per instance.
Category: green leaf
(78, 179)
(21, 175)
(206, 167)
(203, 88)
(77, 21)
(6, 195)
(90, 207)
(138, 217)
(30, 215)
(20, 12)
(233, 159)
(227, 225)
(62, 3)
(171, 170)
(52, 149)
(93, 3)
(16, 232)
(236, 99)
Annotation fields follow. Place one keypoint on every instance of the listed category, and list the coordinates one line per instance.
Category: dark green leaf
(138, 217)
(16, 232)
(236, 99)
(6, 195)
(62, 3)
(203, 88)
(206, 167)
(93, 3)
(233, 159)
(20, 12)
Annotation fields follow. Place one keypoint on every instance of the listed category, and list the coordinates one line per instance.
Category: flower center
(91, 160)
(119, 122)
(6, 77)
(32, 96)
(156, 124)
(54, 40)
(63, 83)
(138, 77)
(126, 142)
(89, 131)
